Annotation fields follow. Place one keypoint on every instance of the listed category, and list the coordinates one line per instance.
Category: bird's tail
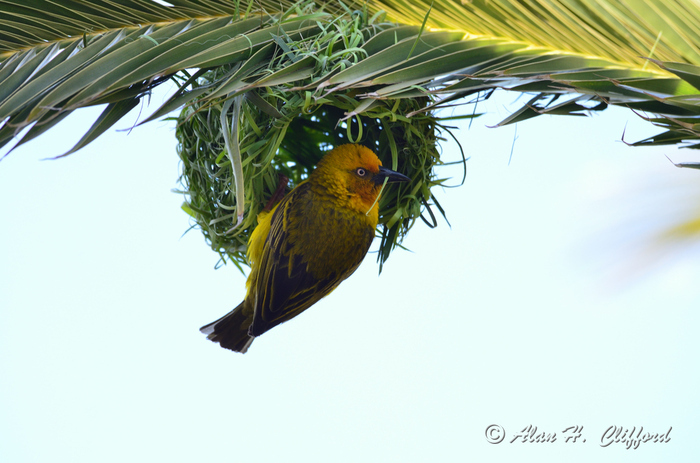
(231, 330)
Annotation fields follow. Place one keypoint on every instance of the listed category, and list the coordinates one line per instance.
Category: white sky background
(545, 303)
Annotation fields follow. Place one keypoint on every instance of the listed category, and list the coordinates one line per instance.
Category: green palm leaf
(89, 53)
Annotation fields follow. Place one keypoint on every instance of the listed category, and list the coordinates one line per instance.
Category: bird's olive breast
(331, 238)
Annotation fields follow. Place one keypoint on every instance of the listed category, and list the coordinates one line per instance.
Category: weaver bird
(311, 241)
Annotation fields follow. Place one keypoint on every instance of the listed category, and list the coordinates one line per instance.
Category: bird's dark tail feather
(230, 331)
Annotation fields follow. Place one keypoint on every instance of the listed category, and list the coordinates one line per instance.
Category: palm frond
(624, 32)
(136, 46)
(124, 65)
(29, 23)
(95, 53)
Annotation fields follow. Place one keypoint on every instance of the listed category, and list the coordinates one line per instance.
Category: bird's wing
(284, 287)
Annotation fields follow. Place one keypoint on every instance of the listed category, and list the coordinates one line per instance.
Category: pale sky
(548, 302)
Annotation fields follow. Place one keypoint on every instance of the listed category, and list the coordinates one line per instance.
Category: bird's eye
(361, 172)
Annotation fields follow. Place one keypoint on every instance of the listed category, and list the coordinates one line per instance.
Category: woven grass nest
(283, 131)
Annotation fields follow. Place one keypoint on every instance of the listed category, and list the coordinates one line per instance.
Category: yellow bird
(307, 244)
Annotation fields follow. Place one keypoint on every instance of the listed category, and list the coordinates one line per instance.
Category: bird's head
(354, 173)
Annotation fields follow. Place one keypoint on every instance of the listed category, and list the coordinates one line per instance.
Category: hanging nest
(285, 128)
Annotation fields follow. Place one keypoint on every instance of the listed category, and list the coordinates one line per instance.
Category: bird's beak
(390, 175)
